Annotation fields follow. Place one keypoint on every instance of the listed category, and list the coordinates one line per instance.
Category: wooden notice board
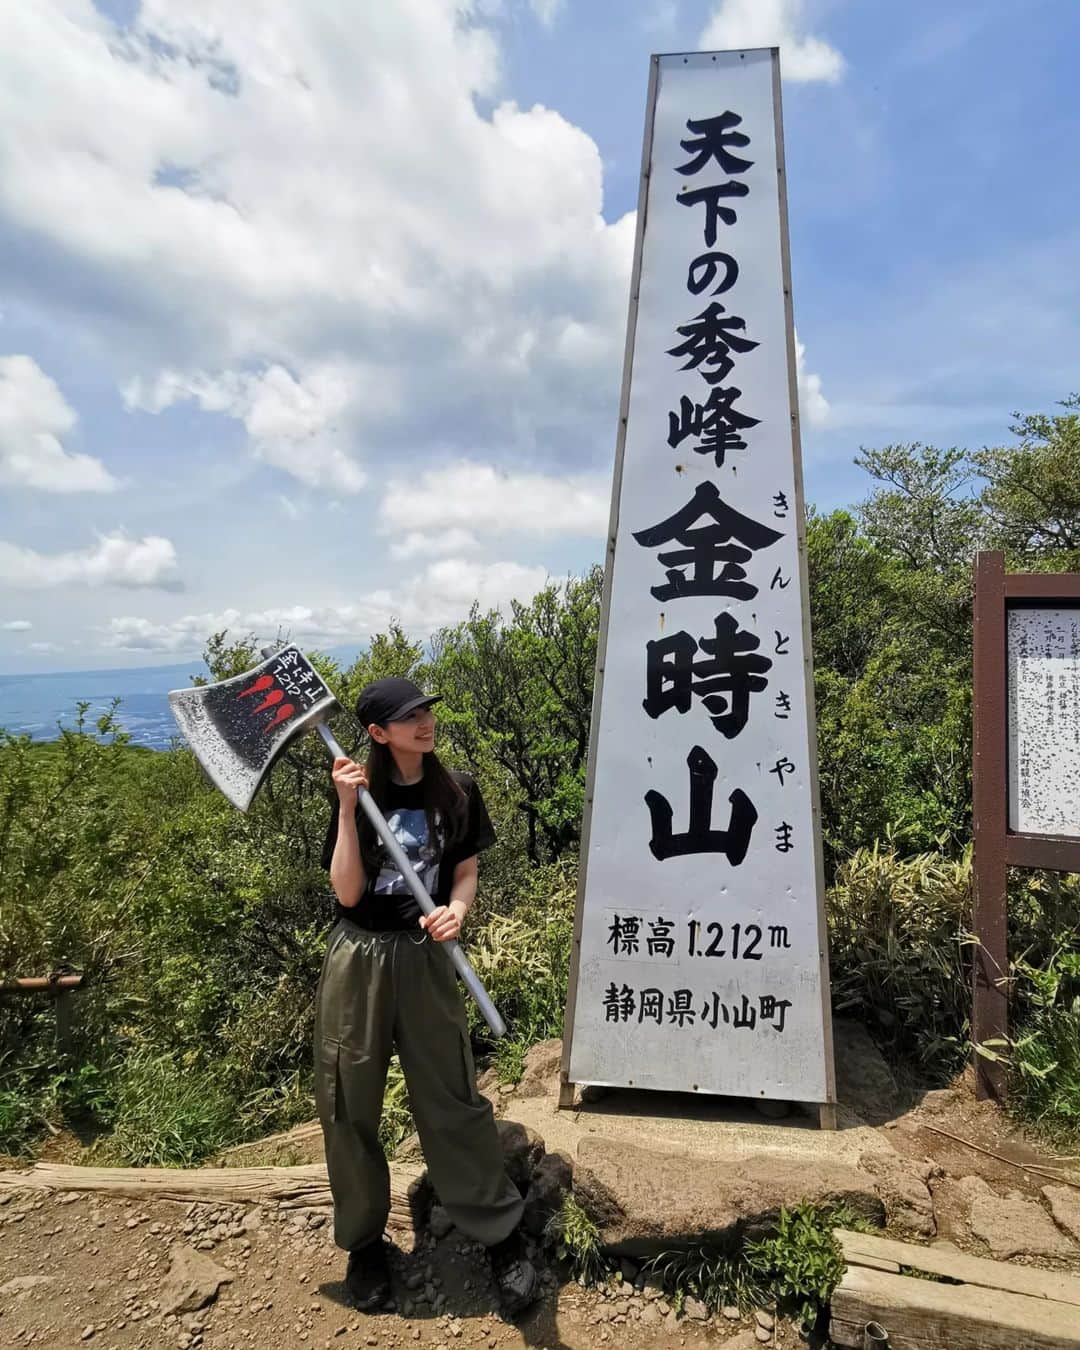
(1026, 768)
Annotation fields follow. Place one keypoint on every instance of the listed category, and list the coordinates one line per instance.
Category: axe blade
(238, 727)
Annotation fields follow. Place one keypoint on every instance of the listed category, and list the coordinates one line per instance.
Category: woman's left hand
(443, 923)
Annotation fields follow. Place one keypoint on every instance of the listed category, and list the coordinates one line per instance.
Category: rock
(642, 1200)
(439, 1222)
(731, 1312)
(487, 1083)
(650, 1315)
(192, 1282)
(760, 1334)
(22, 1284)
(863, 1079)
(522, 1150)
(540, 1077)
(764, 1320)
(695, 1310)
(902, 1185)
(1064, 1205)
(936, 1101)
(410, 1147)
(1012, 1227)
(552, 1178)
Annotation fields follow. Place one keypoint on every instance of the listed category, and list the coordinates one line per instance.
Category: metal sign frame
(996, 846)
(826, 1110)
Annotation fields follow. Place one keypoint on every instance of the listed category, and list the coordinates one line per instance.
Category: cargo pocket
(326, 1080)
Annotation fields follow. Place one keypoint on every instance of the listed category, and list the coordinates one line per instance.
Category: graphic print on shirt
(411, 831)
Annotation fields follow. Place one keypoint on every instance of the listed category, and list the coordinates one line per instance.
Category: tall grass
(523, 959)
(899, 937)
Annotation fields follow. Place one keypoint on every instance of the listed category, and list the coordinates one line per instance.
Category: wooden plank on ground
(287, 1187)
(923, 1315)
(866, 1249)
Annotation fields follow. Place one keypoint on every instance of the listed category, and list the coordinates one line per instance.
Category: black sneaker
(368, 1276)
(515, 1275)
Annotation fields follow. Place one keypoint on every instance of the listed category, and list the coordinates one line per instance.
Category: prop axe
(238, 728)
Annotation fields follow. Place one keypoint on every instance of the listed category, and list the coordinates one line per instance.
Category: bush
(797, 1267)
(1044, 1052)
(1045, 1072)
(169, 1114)
(899, 949)
(577, 1239)
(523, 961)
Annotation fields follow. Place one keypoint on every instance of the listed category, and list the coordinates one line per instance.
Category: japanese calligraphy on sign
(700, 949)
(1044, 720)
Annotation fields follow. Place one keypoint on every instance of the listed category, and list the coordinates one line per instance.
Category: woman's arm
(347, 875)
(445, 922)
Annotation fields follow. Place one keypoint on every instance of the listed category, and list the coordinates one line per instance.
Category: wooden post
(990, 1000)
(62, 1004)
(60, 987)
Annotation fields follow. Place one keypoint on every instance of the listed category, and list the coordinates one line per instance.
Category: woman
(385, 985)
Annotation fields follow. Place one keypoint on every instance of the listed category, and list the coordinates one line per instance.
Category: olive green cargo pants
(378, 992)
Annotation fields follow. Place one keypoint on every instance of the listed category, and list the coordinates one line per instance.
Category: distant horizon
(96, 670)
(338, 652)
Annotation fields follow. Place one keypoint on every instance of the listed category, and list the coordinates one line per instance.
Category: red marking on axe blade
(263, 682)
(275, 696)
(285, 711)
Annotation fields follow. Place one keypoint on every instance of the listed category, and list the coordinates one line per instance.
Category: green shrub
(169, 1114)
(523, 961)
(899, 951)
(396, 1121)
(577, 1240)
(802, 1263)
(796, 1268)
(1044, 1062)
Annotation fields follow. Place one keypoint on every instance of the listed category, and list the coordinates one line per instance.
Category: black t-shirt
(387, 904)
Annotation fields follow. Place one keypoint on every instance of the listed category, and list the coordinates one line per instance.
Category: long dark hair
(444, 801)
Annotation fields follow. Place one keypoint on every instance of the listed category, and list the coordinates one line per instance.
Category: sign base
(826, 1111)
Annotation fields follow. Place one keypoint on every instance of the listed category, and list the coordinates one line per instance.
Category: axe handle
(401, 862)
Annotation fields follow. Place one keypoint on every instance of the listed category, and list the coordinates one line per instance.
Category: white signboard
(701, 959)
(1044, 721)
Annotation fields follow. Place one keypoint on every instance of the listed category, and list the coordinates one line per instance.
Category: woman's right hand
(348, 778)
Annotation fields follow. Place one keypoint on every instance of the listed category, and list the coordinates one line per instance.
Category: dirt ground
(90, 1268)
(105, 1260)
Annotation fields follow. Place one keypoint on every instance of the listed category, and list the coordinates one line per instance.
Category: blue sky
(313, 315)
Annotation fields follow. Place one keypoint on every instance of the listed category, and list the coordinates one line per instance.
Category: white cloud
(416, 544)
(442, 593)
(304, 217)
(115, 561)
(16, 626)
(34, 420)
(290, 423)
(45, 647)
(446, 590)
(773, 23)
(813, 405)
(486, 500)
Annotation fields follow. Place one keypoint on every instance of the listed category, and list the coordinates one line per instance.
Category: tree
(1032, 494)
(518, 703)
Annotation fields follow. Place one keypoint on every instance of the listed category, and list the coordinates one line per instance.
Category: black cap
(388, 699)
